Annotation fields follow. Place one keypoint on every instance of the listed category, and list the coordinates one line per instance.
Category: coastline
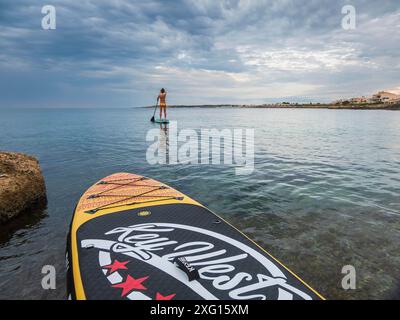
(294, 106)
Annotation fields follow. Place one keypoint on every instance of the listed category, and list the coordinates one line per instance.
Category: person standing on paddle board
(162, 98)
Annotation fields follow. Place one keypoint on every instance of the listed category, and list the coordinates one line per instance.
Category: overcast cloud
(119, 53)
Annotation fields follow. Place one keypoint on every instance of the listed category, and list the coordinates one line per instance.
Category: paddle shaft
(155, 110)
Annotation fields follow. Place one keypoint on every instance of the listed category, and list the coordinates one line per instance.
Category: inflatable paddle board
(161, 121)
(134, 238)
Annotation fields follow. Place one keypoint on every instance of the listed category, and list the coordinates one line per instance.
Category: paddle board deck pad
(161, 121)
(135, 238)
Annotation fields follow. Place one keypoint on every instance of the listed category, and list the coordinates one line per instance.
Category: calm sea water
(324, 193)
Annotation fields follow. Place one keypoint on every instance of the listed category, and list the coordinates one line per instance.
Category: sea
(322, 193)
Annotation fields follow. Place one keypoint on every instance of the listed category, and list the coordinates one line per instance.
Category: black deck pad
(132, 255)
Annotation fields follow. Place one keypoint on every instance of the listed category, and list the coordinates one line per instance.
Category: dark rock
(22, 186)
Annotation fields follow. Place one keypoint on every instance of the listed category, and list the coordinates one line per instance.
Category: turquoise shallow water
(324, 193)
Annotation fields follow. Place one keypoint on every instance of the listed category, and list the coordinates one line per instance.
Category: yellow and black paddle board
(134, 238)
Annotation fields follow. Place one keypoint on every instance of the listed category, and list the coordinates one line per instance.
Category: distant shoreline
(294, 106)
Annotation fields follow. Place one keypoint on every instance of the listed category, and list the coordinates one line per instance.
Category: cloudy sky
(119, 53)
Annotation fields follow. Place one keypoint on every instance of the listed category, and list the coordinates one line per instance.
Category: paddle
(155, 110)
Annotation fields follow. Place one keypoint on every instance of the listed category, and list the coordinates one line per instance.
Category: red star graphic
(116, 265)
(131, 284)
(159, 296)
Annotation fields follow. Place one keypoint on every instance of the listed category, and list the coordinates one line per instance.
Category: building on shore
(382, 97)
(359, 100)
(385, 97)
(352, 101)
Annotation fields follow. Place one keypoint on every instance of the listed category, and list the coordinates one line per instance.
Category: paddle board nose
(135, 238)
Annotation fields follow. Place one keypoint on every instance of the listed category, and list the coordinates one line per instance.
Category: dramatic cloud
(118, 53)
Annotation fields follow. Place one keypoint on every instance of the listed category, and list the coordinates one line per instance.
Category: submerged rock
(22, 185)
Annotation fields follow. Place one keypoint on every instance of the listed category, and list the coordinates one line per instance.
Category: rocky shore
(22, 186)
